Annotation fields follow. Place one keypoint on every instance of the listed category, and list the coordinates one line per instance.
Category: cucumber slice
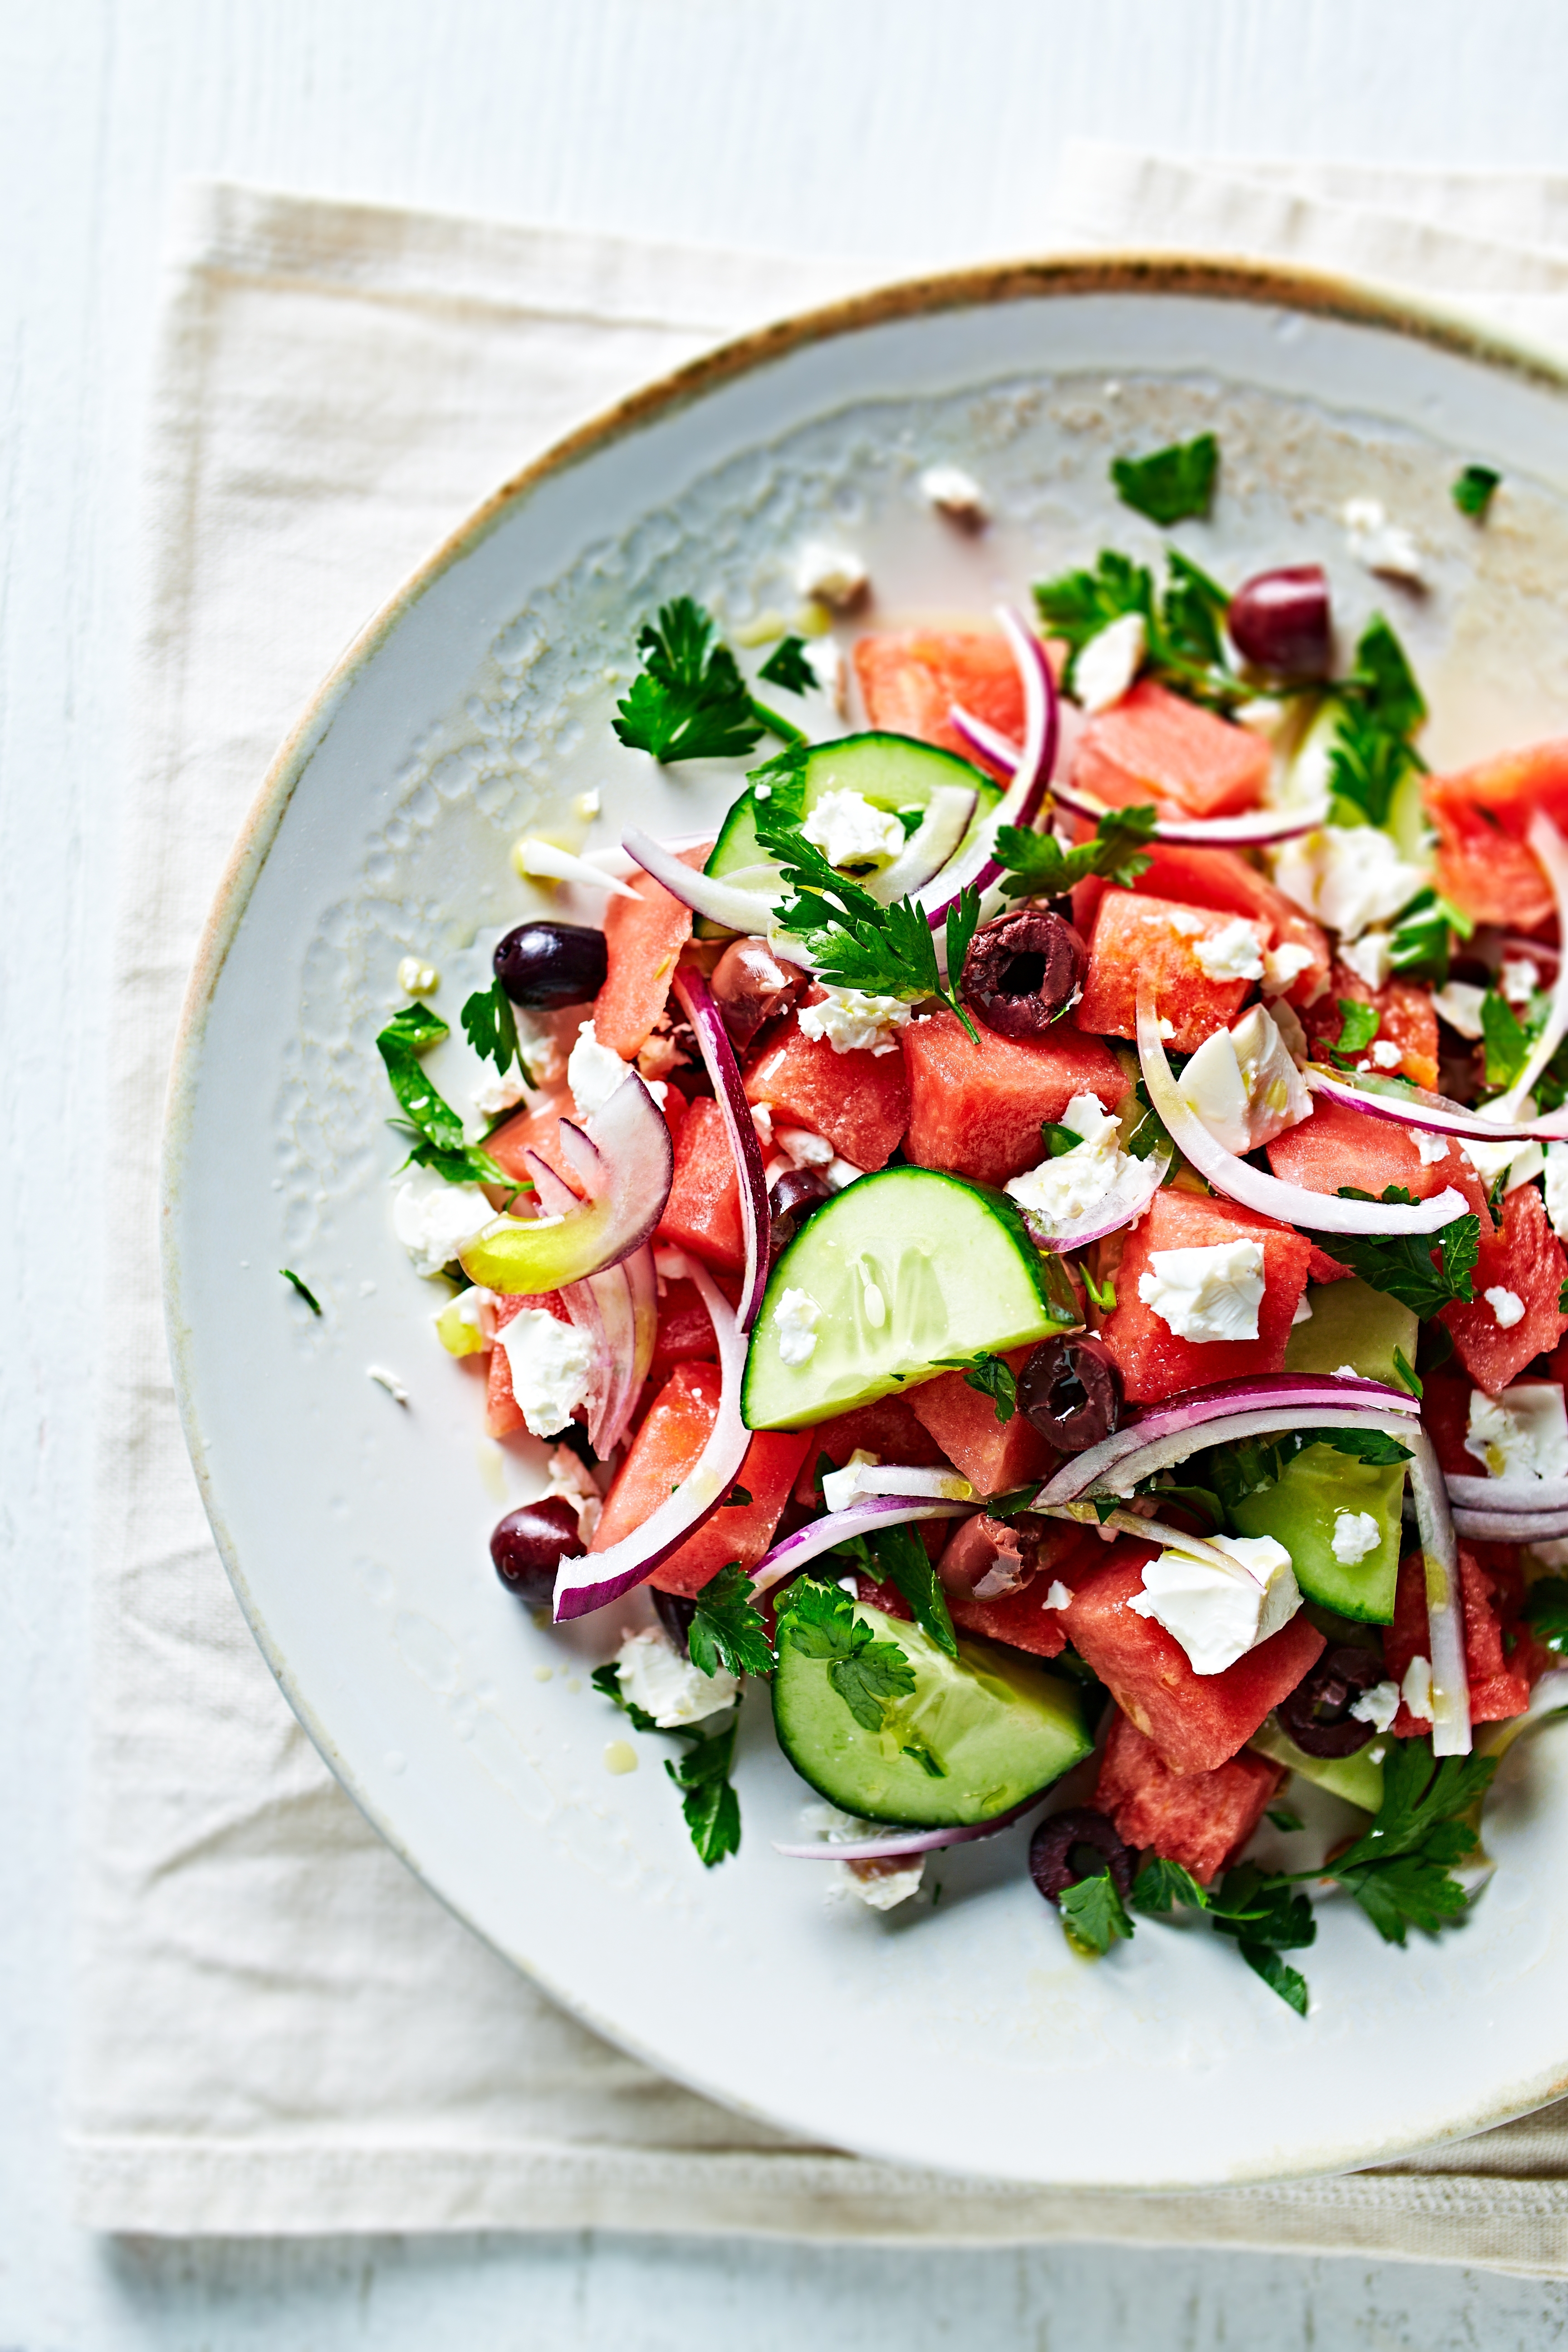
(1357, 1779)
(999, 1726)
(1353, 1324)
(1300, 1510)
(908, 1269)
(891, 771)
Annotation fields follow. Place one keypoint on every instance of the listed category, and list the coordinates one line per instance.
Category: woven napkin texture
(281, 2030)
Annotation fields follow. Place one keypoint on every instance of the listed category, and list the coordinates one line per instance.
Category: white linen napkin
(280, 2029)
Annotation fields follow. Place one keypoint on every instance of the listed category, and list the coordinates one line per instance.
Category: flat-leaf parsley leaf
(1169, 485)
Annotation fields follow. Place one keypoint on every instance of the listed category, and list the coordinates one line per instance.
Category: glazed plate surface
(966, 2036)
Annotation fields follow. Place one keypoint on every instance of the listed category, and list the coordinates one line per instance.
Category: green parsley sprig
(1040, 868)
(432, 1126)
(990, 1375)
(903, 1562)
(1381, 708)
(1423, 1271)
(1172, 485)
(1182, 625)
(708, 1801)
(489, 1026)
(726, 1630)
(820, 1620)
(689, 701)
(1359, 1026)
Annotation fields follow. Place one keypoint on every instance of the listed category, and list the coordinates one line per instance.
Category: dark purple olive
(797, 1192)
(544, 964)
(1071, 1390)
(1055, 1851)
(1022, 971)
(1279, 620)
(750, 985)
(675, 1613)
(529, 1545)
(1317, 1715)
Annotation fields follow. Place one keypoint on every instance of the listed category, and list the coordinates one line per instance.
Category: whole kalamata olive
(675, 1613)
(1280, 621)
(552, 963)
(1022, 971)
(1317, 1715)
(751, 985)
(1071, 1390)
(529, 1545)
(796, 1193)
(1053, 1847)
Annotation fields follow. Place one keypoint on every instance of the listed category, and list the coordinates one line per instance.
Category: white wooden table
(916, 130)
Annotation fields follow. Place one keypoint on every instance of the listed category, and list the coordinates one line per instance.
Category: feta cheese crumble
(1348, 877)
(833, 576)
(1378, 1705)
(1217, 1613)
(1244, 1085)
(1234, 954)
(1557, 1186)
(1283, 967)
(1056, 1595)
(417, 978)
(1206, 1293)
(1431, 1148)
(852, 1021)
(1382, 546)
(1415, 1690)
(1061, 1190)
(1386, 1054)
(497, 1094)
(795, 1324)
(1355, 1534)
(1507, 1306)
(1522, 1434)
(594, 1071)
(1371, 957)
(1108, 662)
(850, 832)
(1459, 1003)
(955, 493)
(882, 1884)
(654, 1675)
(1518, 980)
(434, 1220)
(552, 1368)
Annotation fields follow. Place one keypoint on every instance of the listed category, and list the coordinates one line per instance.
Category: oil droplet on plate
(620, 1756)
(542, 1673)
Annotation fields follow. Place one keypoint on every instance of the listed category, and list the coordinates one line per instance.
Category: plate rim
(1120, 271)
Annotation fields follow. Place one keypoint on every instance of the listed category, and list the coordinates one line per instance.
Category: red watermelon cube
(1140, 942)
(1482, 815)
(1154, 745)
(1221, 879)
(1499, 1677)
(1200, 1820)
(995, 1457)
(858, 1101)
(1196, 1721)
(1152, 1362)
(909, 680)
(977, 1109)
(1340, 1146)
(1526, 1261)
(703, 1212)
(643, 936)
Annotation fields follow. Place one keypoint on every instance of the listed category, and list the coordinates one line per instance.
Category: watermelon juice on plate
(1038, 1236)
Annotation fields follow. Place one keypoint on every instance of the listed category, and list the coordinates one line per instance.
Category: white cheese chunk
(833, 576)
(594, 1071)
(882, 1884)
(1370, 957)
(552, 1368)
(1061, 1190)
(1431, 1148)
(1234, 954)
(1348, 877)
(795, 1324)
(852, 1021)
(1108, 662)
(1057, 1594)
(417, 978)
(1459, 1003)
(1206, 1294)
(654, 1675)
(1244, 1084)
(1217, 1613)
(1557, 1186)
(955, 493)
(1386, 1054)
(850, 832)
(1522, 1434)
(497, 1094)
(1283, 967)
(1384, 547)
(1378, 1705)
(1507, 1306)
(1415, 1690)
(434, 1220)
(1519, 979)
(1355, 1534)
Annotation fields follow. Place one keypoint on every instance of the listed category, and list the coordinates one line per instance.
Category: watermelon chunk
(1340, 1146)
(887, 1428)
(1139, 940)
(503, 1414)
(995, 1457)
(1222, 879)
(703, 1212)
(1405, 1019)
(1196, 1721)
(535, 1130)
(675, 1430)
(1021, 1619)
(909, 680)
(1482, 815)
(1154, 745)
(1526, 1258)
(643, 937)
(976, 1110)
(685, 1327)
(860, 1102)
(1501, 1664)
(1199, 1819)
(1152, 1362)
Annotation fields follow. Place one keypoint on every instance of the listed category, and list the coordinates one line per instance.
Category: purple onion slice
(898, 1842)
(1033, 763)
(862, 1519)
(626, 1165)
(696, 1001)
(1435, 1113)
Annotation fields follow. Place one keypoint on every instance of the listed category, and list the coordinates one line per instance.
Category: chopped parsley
(689, 700)
(1359, 1026)
(432, 1128)
(1546, 1612)
(1471, 490)
(708, 1799)
(726, 1630)
(1381, 708)
(789, 666)
(990, 1375)
(1420, 945)
(820, 1620)
(491, 1027)
(903, 1562)
(1400, 1872)
(1183, 641)
(307, 1294)
(1403, 1266)
(1040, 868)
(1507, 1039)
(1173, 485)
(1093, 1914)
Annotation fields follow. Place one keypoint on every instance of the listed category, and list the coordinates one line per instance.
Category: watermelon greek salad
(1037, 1238)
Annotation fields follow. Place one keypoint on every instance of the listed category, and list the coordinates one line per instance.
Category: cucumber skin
(737, 846)
(810, 1717)
(1364, 1591)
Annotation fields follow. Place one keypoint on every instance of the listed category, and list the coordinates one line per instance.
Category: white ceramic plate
(477, 705)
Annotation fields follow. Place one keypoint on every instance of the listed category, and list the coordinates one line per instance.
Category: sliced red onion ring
(603, 1308)
(1292, 1205)
(1164, 1452)
(1549, 846)
(938, 837)
(1277, 1392)
(1445, 1610)
(1258, 825)
(1123, 1205)
(590, 1581)
(696, 1000)
(897, 1842)
(1436, 1113)
(1511, 1527)
(1032, 775)
(745, 911)
(627, 1164)
(1531, 1494)
(864, 1519)
(643, 1282)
